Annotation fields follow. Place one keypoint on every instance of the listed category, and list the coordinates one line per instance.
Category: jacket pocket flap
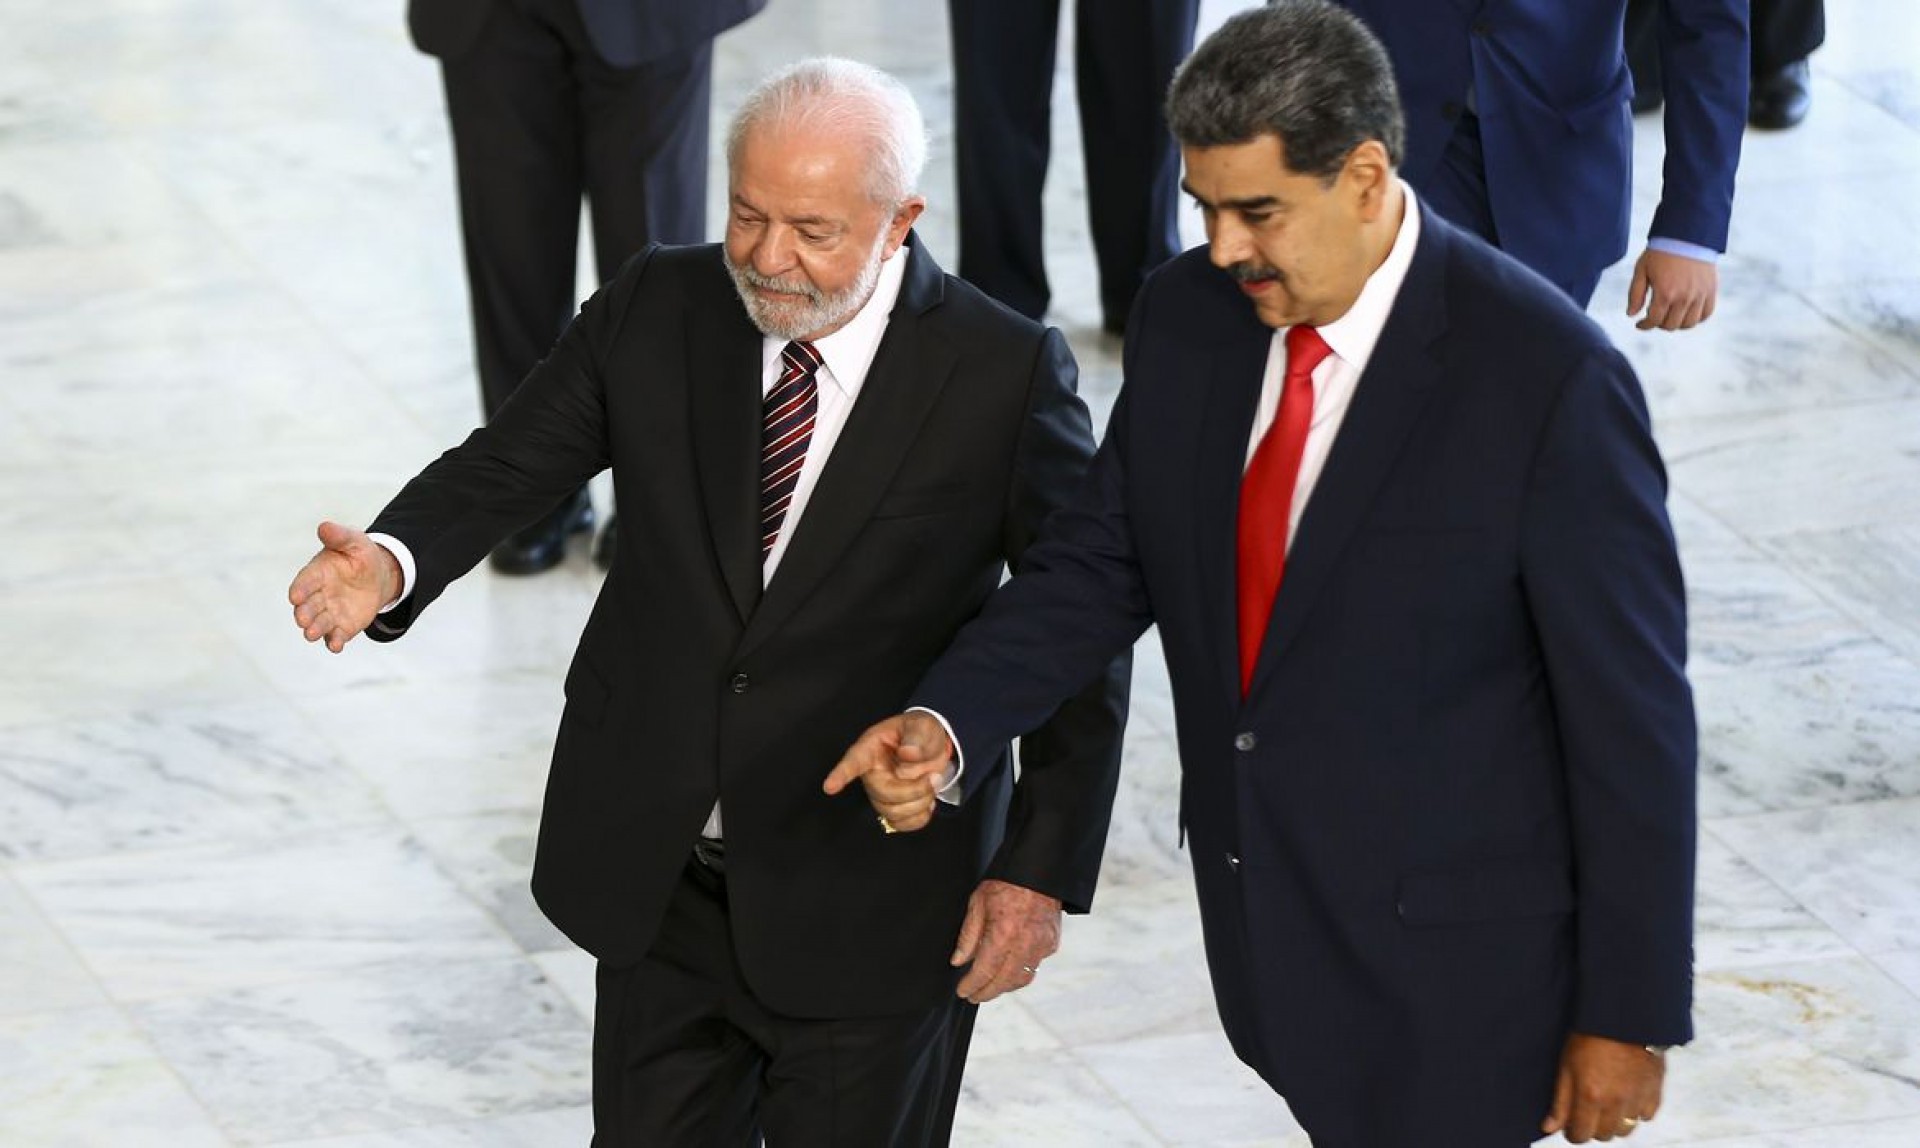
(1475, 895)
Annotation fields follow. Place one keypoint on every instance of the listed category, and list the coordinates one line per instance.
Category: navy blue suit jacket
(1551, 85)
(1454, 818)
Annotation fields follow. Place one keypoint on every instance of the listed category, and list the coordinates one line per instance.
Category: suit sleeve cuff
(1682, 248)
(949, 792)
(404, 557)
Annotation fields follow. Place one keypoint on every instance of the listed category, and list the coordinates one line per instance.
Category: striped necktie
(786, 427)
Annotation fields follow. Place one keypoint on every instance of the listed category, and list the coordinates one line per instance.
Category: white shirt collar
(847, 353)
(1353, 335)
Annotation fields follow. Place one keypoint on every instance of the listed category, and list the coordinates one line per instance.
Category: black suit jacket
(1454, 817)
(692, 683)
(624, 32)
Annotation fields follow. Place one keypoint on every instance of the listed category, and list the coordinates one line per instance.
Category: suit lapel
(1395, 388)
(1236, 371)
(909, 371)
(724, 351)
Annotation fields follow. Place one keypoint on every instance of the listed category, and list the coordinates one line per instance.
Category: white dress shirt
(1351, 338)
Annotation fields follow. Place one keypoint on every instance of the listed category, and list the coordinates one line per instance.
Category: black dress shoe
(603, 545)
(543, 545)
(1780, 99)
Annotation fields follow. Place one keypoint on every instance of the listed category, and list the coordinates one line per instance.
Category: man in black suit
(800, 423)
(1003, 61)
(1394, 504)
(550, 100)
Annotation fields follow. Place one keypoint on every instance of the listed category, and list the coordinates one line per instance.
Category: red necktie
(786, 427)
(1266, 496)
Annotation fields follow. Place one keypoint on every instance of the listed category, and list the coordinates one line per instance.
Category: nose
(1227, 242)
(773, 254)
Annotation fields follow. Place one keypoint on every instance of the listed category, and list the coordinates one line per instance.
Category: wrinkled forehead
(798, 154)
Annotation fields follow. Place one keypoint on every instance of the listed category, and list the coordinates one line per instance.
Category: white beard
(819, 311)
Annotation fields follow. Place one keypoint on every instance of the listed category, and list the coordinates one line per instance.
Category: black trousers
(1125, 52)
(539, 120)
(684, 1055)
(1783, 31)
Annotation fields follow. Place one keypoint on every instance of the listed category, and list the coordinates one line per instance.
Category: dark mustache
(1252, 272)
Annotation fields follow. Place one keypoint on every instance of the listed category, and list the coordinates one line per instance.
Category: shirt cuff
(404, 557)
(949, 791)
(1682, 248)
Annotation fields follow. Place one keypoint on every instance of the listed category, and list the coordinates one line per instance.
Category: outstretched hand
(337, 593)
(899, 761)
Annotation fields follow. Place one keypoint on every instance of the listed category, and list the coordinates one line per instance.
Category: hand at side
(1008, 931)
(1606, 1088)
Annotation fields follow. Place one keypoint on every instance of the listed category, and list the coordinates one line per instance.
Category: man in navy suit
(1519, 129)
(550, 100)
(1395, 506)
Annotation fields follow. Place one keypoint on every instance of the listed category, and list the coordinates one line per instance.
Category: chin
(1278, 315)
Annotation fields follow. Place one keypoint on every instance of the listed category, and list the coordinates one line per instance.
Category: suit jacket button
(1244, 742)
(739, 683)
(1233, 863)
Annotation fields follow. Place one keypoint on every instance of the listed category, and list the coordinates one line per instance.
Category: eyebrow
(796, 221)
(1252, 203)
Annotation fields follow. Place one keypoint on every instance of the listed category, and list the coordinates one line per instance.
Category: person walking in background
(1784, 34)
(1519, 129)
(797, 421)
(1395, 506)
(550, 100)
(1003, 64)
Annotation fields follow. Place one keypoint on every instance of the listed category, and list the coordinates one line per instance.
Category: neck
(1386, 227)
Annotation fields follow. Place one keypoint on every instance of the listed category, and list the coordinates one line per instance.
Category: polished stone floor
(254, 895)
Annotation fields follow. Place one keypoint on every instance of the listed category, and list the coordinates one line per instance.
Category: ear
(1369, 174)
(902, 222)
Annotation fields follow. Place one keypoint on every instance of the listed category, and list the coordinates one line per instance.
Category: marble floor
(254, 895)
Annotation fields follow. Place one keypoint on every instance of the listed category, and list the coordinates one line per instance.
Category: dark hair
(1307, 71)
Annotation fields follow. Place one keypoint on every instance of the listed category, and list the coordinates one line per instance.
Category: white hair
(842, 96)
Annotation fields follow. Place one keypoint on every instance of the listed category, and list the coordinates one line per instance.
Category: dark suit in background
(693, 683)
(1784, 34)
(1125, 51)
(550, 100)
(1534, 93)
